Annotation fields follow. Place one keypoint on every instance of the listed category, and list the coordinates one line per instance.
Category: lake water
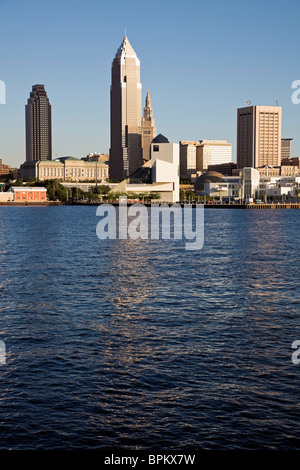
(141, 344)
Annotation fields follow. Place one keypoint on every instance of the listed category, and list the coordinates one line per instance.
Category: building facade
(96, 157)
(286, 148)
(250, 179)
(148, 128)
(188, 158)
(225, 168)
(38, 125)
(159, 175)
(125, 113)
(4, 169)
(28, 194)
(65, 169)
(258, 136)
(213, 152)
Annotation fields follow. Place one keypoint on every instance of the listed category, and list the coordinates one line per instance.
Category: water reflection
(131, 342)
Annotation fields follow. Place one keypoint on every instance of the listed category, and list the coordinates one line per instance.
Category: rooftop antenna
(276, 102)
(249, 103)
(125, 32)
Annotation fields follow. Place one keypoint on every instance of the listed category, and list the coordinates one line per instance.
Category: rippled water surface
(140, 344)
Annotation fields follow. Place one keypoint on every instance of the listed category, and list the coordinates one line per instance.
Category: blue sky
(200, 60)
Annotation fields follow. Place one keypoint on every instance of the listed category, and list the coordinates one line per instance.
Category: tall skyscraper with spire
(148, 128)
(125, 113)
(38, 125)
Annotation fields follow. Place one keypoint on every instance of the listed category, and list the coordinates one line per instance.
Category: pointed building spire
(148, 112)
(126, 48)
(148, 128)
(148, 100)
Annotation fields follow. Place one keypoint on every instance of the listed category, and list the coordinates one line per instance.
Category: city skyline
(198, 77)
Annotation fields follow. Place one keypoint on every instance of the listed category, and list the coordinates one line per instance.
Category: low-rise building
(65, 169)
(213, 184)
(28, 194)
(4, 169)
(6, 196)
(248, 184)
(278, 186)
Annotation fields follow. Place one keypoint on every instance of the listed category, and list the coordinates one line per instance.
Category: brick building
(28, 194)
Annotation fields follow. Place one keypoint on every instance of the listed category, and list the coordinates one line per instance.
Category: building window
(155, 148)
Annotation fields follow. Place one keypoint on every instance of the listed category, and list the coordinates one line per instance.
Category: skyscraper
(125, 113)
(148, 128)
(286, 148)
(38, 125)
(258, 136)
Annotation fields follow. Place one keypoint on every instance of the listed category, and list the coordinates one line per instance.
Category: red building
(28, 194)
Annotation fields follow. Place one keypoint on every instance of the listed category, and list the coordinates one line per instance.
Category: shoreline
(250, 206)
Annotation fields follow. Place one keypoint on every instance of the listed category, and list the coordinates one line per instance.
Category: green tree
(154, 196)
(18, 182)
(31, 181)
(77, 193)
(102, 189)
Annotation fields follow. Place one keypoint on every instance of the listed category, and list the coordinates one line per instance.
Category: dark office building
(38, 125)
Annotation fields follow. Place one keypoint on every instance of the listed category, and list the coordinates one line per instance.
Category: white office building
(213, 152)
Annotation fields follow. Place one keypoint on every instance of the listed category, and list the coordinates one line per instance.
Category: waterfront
(140, 344)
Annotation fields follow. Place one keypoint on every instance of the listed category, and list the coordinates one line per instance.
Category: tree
(18, 182)
(31, 181)
(154, 196)
(77, 193)
(103, 189)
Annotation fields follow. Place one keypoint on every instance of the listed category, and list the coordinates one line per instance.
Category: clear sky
(200, 60)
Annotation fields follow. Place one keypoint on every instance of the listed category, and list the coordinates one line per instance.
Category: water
(140, 344)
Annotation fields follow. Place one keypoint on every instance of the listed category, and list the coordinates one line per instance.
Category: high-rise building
(213, 152)
(38, 125)
(258, 136)
(148, 128)
(286, 148)
(125, 113)
(188, 158)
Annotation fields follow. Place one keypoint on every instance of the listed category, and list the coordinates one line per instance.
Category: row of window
(73, 172)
